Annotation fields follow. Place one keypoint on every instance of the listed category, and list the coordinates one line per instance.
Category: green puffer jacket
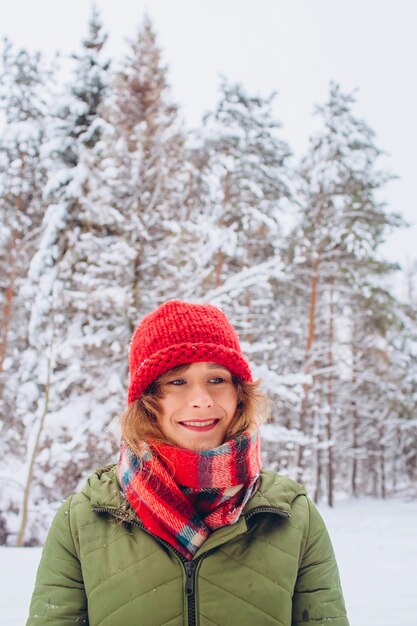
(275, 566)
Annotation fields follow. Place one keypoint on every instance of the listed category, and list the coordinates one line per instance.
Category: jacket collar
(274, 496)
(275, 492)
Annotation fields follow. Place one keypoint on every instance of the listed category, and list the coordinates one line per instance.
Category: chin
(200, 445)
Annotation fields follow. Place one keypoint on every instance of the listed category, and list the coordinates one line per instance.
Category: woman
(187, 529)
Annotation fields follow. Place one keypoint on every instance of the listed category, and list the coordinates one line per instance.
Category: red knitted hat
(177, 333)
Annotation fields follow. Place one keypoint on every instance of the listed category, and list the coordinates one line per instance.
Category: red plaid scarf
(181, 495)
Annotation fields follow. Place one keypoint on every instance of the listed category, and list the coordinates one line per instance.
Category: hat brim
(182, 354)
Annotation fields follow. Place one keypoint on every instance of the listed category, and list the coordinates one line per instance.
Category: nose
(200, 397)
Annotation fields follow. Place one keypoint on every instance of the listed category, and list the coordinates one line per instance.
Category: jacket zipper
(267, 509)
(189, 566)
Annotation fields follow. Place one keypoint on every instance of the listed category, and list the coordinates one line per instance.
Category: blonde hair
(140, 420)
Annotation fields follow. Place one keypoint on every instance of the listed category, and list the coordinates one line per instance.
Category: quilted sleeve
(318, 597)
(59, 596)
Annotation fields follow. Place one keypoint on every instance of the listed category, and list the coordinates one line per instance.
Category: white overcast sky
(294, 47)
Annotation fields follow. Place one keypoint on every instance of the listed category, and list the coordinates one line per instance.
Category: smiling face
(197, 405)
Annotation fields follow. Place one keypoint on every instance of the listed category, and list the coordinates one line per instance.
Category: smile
(202, 426)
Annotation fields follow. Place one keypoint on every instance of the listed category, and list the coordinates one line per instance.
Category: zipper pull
(189, 581)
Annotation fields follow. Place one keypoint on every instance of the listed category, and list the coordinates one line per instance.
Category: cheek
(166, 407)
(232, 402)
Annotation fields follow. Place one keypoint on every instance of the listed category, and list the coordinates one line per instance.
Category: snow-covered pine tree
(61, 411)
(146, 174)
(382, 368)
(406, 458)
(333, 248)
(245, 166)
(24, 80)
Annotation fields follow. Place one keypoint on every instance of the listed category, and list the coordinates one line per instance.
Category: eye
(176, 381)
(217, 380)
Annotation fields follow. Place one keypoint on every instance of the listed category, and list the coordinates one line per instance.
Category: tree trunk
(382, 467)
(220, 253)
(355, 418)
(319, 472)
(136, 291)
(12, 267)
(314, 280)
(35, 450)
(319, 458)
(29, 479)
(382, 448)
(330, 399)
(219, 268)
(8, 298)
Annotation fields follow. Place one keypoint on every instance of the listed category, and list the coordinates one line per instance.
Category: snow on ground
(376, 548)
(17, 576)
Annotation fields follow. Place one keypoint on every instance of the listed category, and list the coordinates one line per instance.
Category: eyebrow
(214, 366)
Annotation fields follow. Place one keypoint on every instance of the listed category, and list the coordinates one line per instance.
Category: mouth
(200, 425)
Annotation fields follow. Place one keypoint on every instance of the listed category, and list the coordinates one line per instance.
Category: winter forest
(109, 206)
